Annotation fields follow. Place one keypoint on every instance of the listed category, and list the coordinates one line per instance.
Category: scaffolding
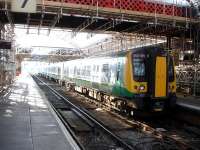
(7, 55)
(122, 42)
(186, 55)
(188, 79)
(188, 70)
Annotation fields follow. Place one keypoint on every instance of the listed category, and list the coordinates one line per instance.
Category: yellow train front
(149, 79)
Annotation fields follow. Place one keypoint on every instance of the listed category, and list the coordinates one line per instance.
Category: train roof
(136, 50)
(122, 53)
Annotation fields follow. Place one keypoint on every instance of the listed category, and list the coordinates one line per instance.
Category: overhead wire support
(89, 21)
(108, 25)
(9, 17)
(83, 26)
(56, 18)
(105, 27)
(174, 21)
(41, 19)
(28, 23)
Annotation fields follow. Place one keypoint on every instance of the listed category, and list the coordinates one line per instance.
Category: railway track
(88, 132)
(135, 134)
(174, 134)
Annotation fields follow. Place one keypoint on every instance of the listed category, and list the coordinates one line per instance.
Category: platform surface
(26, 123)
(189, 102)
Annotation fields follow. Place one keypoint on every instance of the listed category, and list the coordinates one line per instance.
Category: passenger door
(118, 79)
(161, 76)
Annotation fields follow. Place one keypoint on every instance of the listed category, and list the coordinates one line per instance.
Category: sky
(57, 38)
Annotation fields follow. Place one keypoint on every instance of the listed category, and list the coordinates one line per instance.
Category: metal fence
(188, 80)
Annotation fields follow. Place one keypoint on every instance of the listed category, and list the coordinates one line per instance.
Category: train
(137, 79)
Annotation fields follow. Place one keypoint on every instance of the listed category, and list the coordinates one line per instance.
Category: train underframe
(128, 106)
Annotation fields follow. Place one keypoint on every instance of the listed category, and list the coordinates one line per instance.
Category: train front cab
(153, 81)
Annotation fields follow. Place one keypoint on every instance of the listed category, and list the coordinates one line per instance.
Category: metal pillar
(169, 42)
(196, 41)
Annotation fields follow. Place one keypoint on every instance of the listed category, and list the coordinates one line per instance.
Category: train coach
(52, 71)
(138, 79)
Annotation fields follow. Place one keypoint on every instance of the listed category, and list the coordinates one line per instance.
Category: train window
(66, 71)
(171, 70)
(106, 73)
(88, 69)
(84, 71)
(139, 67)
(118, 70)
(105, 68)
(59, 71)
(97, 68)
(78, 71)
(75, 70)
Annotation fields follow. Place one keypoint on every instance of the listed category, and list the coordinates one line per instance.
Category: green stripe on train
(115, 89)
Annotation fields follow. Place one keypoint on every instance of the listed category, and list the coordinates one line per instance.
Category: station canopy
(44, 43)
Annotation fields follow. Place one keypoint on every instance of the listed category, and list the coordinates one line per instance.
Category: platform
(189, 102)
(27, 122)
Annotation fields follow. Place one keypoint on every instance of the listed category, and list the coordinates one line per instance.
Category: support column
(169, 42)
(196, 46)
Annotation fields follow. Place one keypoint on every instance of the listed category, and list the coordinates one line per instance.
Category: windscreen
(139, 67)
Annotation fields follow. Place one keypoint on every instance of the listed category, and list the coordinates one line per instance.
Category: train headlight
(141, 87)
(171, 87)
